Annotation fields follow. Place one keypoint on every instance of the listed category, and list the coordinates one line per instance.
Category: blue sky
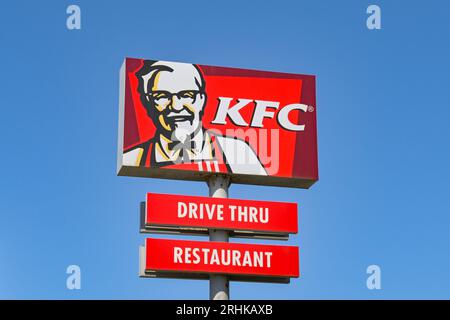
(382, 105)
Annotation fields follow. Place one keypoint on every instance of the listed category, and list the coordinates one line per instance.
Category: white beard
(182, 134)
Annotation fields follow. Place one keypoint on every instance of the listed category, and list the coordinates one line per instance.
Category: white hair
(159, 66)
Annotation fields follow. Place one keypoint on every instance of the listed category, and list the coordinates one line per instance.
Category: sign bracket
(219, 285)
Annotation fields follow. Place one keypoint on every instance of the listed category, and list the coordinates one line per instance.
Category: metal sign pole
(219, 287)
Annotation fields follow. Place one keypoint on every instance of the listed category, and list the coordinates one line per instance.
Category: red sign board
(165, 212)
(175, 258)
(187, 121)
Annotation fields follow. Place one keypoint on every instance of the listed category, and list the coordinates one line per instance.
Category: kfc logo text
(260, 112)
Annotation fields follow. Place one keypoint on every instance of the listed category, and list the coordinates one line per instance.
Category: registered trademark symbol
(310, 108)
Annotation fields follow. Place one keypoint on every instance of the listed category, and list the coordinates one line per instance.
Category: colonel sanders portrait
(174, 96)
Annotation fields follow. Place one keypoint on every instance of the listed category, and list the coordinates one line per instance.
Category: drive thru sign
(194, 215)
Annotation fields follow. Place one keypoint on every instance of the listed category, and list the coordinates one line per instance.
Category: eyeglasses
(164, 98)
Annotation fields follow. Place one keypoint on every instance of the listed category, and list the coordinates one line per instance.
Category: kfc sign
(186, 121)
(198, 259)
(244, 218)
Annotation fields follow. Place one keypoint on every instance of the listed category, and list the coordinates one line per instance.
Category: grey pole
(219, 287)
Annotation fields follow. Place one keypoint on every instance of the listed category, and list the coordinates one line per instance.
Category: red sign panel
(199, 257)
(193, 212)
(186, 121)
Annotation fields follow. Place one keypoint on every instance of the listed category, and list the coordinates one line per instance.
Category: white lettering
(210, 211)
(247, 260)
(182, 209)
(187, 255)
(193, 210)
(215, 258)
(253, 212)
(196, 256)
(261, 112)
(232, 211)
(268, 256)
(220, 212)
(264, 215)
(177, 252)
(258, 259)
(283, 116)
(224, 257)
(233, 113)
(236, 257)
